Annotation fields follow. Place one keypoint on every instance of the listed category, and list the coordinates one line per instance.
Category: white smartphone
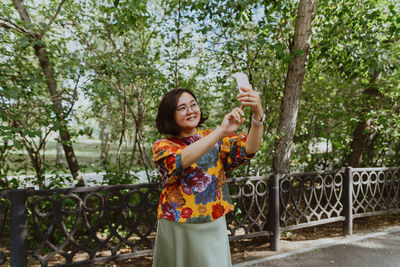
(242, 80)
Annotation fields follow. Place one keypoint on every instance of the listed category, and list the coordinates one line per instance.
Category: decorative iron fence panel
(375, 191)
(97, 224)
(309, 199)
(250, 198)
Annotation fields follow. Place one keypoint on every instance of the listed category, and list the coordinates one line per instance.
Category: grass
(86, 151)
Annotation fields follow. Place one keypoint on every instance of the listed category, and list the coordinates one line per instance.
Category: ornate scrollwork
(250, 198)
(96, 222)
(308, 198)
(375, 191)
(107, 223)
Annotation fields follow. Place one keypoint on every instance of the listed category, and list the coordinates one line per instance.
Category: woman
(195, 198)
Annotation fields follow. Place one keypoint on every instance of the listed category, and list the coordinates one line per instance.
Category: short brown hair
(165, 118)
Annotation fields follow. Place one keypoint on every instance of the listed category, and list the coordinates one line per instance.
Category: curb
(327, 243)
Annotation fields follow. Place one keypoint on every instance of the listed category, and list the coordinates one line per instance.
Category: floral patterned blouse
(198, 193)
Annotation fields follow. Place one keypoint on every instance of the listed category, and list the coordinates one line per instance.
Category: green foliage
(359, 55)
(122, 56)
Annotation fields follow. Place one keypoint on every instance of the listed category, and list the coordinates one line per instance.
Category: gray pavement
(366, 250)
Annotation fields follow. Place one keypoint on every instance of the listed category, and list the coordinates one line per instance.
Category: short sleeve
(233, 151)
(167, 158)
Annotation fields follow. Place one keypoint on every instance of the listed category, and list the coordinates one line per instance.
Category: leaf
(23, 42)
(17, 144)
(11, 93)
(43, 25)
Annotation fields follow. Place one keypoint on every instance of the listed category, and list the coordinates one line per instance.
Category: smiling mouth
(191, 118)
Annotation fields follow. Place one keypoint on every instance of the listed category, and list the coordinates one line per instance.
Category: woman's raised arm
(231, 122)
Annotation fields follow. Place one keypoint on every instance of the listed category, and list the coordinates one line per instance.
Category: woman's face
(187, 113)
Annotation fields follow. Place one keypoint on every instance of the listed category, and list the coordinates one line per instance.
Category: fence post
(273, 212)
(3, 212)
(348, 201)
(18, 228)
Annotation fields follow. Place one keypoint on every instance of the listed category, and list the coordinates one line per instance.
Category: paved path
(378, 249)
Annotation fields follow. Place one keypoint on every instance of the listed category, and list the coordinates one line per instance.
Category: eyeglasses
(183, 110)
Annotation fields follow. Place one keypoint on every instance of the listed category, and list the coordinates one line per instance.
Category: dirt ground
(241, 248)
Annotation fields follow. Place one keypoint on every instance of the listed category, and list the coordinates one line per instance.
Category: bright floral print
(175, 195)
(217, 211)
(198, 180)
(170, 162)
(187, 190)
(208, 195)
(202, 209)
(221, 177)
(225, 193)
(200, 219)
(170, 212)
(219, 192)
(191, 139)
(209, 160)
(186, 213)
(198, 193)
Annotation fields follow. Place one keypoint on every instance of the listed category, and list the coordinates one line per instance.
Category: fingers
(232, 121)
(249, 98)
(247, 92)
(237, 114)
(244, 89)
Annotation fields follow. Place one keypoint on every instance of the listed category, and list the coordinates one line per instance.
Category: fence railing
(309, 199)
(86, 225)
(250, 197)
(375, 191)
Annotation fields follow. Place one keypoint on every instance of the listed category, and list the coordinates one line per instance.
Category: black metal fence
(77, 226)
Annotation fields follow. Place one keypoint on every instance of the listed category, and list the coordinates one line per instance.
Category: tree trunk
(119, 151)
(293, 84)
(59, 158)
(3, 164)
(178, 30)
(362, 135)
(38, 166)
(36, 163)
(360, 139)
(122, 135)
(104, 136)
(133, 151)
(48, 72)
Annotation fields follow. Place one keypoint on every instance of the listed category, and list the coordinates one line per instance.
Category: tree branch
(43, 31)
(12, 26)
(22, 11)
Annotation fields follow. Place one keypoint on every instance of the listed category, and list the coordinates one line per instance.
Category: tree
(121, 60)
(357, 65)
(294, 80)
(36, 37)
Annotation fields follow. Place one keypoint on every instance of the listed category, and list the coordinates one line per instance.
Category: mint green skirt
(192, 244)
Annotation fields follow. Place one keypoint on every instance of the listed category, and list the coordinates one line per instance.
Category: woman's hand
(232, 121)
(193, 152)
(251, 98)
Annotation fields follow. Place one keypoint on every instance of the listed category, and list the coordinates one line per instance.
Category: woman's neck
(187, 132)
